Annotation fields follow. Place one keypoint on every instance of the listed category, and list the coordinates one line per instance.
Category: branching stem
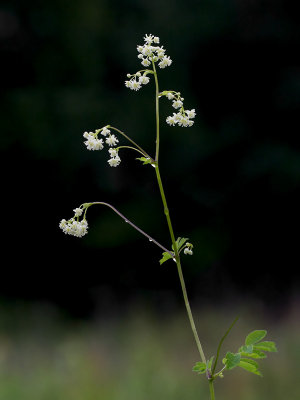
(87, 205)
(130, 140)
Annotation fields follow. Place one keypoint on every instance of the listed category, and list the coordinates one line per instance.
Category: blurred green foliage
(139, 355)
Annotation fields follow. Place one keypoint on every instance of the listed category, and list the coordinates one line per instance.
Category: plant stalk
(167, 214)
(211, 389)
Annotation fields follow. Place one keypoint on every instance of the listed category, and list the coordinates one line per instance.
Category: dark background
(232, 180)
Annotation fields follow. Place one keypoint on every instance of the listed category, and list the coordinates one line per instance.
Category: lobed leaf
(232, 360)
(144, 160)
(179, 243)
(200, 367)
(166, 257)
(255, 337)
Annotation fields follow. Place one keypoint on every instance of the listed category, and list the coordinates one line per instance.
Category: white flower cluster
(94, 143)
(183, 117)
(137, 80)
(115, 160)
(148, 53)
(73, 226)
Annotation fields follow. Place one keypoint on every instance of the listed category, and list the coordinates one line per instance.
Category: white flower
(170, 96)
(184, 121)
(172, 120)
(114, 161)
(87, 135)
(165, 62)
(144, 79)
(188, 251)
(92, 143)
(105, 131)
(190, 113)
(146, 62)
(62, 224)
(149, 38)
(147, 51)
(74, 228)
(133, 84)
(113, 152)
(156, 39)
(177, 103)
(111, 140)
(78, 212)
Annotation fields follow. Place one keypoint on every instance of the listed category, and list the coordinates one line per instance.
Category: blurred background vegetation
(98, 317)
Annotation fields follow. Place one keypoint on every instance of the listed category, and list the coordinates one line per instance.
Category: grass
(138, 355)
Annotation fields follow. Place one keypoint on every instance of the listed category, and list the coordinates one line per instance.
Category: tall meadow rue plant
(152, 55)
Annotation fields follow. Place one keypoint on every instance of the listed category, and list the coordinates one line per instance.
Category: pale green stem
(156, 112)
(179, 269)
(130, 147)
(166, 211)
(130, 140)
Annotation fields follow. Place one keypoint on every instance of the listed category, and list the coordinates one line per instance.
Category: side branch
(86, 205)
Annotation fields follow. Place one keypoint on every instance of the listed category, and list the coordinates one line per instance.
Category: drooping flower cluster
(114, 160)
(73, 226)
(148, 53)
(94, 143)
(183, 117)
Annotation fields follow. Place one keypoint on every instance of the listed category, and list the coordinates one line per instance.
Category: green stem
(179, 269)
(167, 214)
(156, 111)
(130, 140)
(211, 389)
(132, 148)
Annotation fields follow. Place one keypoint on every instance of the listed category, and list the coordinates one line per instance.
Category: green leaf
(179, 243)
(144, 160)
(232, 360)
(266, 346)
(250, 366)
(200, 367)
(255, 337)
(246, 349)
(166, 257)
(254, 354)
(209, 362)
